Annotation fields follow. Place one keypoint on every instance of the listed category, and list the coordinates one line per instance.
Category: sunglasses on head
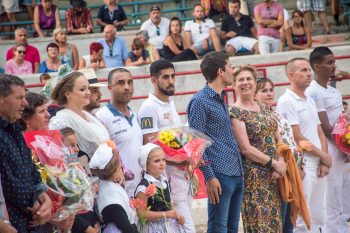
(258, 80)
(158, 31)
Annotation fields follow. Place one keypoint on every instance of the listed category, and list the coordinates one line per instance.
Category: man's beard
(167, 92)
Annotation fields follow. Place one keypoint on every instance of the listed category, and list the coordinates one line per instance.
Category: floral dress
(261, 206)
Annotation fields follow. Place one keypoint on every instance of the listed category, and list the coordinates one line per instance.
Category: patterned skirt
(261, 207)
(169, 225)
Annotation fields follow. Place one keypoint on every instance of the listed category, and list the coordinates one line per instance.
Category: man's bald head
(110, 28)
(291, 65)
(109, 32)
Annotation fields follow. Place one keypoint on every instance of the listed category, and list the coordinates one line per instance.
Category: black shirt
(109, 17)
(116, 214)
(242, 26)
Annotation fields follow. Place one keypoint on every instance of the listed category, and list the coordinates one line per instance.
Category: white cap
(92, 77)
(101, 157)
(144, 152)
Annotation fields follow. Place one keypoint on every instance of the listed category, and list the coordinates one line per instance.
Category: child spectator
(114, 209)
(174, 46)
(159, 213)
(44, 78)
(298, 36)
(111, 13)
(46, 18)
(95, 59)
(78, 18)
(138, 55)
(152, 50)
(17, 65)
(86, 222)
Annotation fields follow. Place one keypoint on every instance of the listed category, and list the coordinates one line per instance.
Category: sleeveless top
(47, 22)
(299, 39)
(168, 54)
(87, 59)
(158, 202)
(68, 57)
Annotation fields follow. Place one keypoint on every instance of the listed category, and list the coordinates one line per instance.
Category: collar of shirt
(116, 112)
(155, 99)
(116, 7)
(295, 96)
(211, 93)
(161, 183)
(203, 21)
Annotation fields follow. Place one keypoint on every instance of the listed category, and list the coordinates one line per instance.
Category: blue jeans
(224, 217)
(287, 224)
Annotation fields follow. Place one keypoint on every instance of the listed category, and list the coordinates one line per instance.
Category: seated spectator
(138, 55)
(114, 48)
(345, 106)
(174, 47)
(201, 33)
(113, 14)
(30, 4)
(46, 18)
(283, 30)
(157, 28)
(44, 78)
(52, 61)
(95, 59)
(32, 53)
(298, 36)
(269, 17)
(10, 7)
(78, 18)
(152, 50)
(68, 53)
(216, 10)
(18, 65)
(238, 31)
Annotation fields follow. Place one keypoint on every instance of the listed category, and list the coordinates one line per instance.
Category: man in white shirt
(157, 27)
(329, 106)
(122, 125)
(301, 113)
(157, 113)
(201, 33)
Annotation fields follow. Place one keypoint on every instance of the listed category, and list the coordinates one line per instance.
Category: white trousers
(315, 190)
(181, 196)
(335, 219)
(268, 44)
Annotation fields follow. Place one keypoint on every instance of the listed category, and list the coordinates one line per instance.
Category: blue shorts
(29, 2)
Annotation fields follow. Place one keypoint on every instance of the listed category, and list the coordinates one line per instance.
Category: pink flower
(137, 204)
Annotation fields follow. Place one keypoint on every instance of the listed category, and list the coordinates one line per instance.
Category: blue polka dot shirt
(208, 113)
(21, 182)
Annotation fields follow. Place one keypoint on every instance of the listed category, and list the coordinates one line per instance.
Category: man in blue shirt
(27, 203)
(114, 48)
(223, 172)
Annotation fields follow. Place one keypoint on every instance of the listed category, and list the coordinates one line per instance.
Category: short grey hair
(20, 29)
(144, 33)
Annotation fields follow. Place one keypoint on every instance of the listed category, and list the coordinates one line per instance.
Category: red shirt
(32, 55)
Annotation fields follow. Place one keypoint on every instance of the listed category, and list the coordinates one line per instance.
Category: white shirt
(127, 136)
(199, 31)
(327, 100)
(155, 115)
(302, 112)
(152, 31)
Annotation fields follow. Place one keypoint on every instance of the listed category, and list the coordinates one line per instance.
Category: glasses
(238, 24)
(268, 10)
(158, 31)
(200, 29)
(258, 80)
(21, 51)
(134, 49)
(110, 52)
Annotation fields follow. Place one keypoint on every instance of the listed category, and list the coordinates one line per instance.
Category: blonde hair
(237, 70)
(59, 30)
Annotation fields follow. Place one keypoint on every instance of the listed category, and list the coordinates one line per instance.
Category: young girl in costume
(160, 216)
(112, 200)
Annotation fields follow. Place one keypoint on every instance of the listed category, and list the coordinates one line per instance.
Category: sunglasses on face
(135, 49)
(158, 31)
(21, 51)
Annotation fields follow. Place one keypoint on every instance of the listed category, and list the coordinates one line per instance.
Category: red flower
(151, 190)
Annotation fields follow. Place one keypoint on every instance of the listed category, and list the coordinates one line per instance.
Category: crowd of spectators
(265, 29)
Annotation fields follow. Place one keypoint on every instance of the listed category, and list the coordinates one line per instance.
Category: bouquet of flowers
(341, 132)
(67, 183)
(183, 144)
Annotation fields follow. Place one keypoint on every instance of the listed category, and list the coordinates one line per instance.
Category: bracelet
(269, 163)
(6, 221)
(164, 215)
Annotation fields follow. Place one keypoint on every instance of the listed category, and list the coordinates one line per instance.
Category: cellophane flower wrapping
(341, 132)
(67, 184)
(182, 144)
